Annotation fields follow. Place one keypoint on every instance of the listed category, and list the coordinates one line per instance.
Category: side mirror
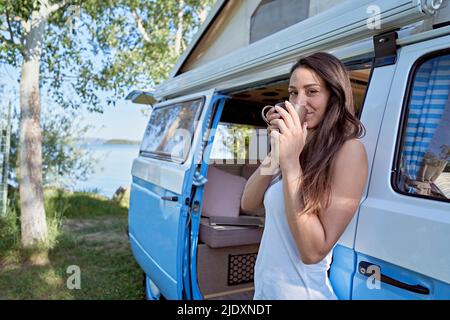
(141, 97)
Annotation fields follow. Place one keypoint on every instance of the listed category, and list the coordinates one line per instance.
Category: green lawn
(87, 231)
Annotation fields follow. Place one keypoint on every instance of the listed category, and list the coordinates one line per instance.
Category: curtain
(429, 97)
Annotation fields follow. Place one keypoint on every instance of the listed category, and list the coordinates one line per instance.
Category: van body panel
(424, 230)
(155, 268)
(168, 176)
(156, 232)
(368, 288)
(342, 271)
(371, 117)
(409, 236)
(158, 209)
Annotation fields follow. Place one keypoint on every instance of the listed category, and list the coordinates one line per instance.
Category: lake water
(112, 170)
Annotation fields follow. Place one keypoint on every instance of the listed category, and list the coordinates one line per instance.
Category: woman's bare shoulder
(353, 146)
(352, 152)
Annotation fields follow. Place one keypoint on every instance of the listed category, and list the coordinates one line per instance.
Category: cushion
(223, 192)
(226, 236)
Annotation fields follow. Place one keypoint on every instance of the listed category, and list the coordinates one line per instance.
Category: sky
(123, 121)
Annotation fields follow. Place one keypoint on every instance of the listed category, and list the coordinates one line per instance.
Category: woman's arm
(315, 235)
(256, 186)
(253, 195)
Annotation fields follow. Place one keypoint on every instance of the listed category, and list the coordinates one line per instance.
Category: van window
(272, 16)
(170, 130)
(425, 149)
(232, 143)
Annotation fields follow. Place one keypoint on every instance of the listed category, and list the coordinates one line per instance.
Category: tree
(146, 37)
(64, 160)
(25, 23)
(116, 44)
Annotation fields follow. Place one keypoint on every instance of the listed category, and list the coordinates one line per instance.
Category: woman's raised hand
(290, 138)
(272, 115)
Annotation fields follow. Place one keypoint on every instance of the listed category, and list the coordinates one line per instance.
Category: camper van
(186, 228)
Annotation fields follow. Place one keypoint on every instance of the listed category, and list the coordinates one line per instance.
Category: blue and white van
(396, 246)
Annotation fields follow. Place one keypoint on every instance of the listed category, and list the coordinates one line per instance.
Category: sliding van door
(162, 178)
(403, 228)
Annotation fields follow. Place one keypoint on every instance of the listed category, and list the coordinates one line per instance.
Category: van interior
(226, 254)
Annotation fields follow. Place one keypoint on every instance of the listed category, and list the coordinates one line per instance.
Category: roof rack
(343, 24)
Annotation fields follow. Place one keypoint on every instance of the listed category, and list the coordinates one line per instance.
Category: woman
(323, 170)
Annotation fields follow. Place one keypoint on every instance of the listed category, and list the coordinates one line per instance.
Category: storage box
(225, 271)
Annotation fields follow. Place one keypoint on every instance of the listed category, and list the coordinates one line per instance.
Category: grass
(85, 230)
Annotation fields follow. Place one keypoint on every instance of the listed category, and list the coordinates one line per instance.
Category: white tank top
(280, 273)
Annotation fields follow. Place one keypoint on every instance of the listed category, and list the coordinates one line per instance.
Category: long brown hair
(338, 125)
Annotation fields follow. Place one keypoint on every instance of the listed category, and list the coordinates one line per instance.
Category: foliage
(10, 225)
(94, 241)
(237, 140)
(64, 161)
(95, 46)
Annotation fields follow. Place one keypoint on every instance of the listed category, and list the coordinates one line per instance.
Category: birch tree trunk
(179, 33)
(33, 220)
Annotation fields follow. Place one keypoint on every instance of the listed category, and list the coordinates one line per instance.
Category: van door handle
(169, 198)
(363, 269)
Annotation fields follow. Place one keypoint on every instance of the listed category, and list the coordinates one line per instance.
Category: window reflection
(171, 128)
